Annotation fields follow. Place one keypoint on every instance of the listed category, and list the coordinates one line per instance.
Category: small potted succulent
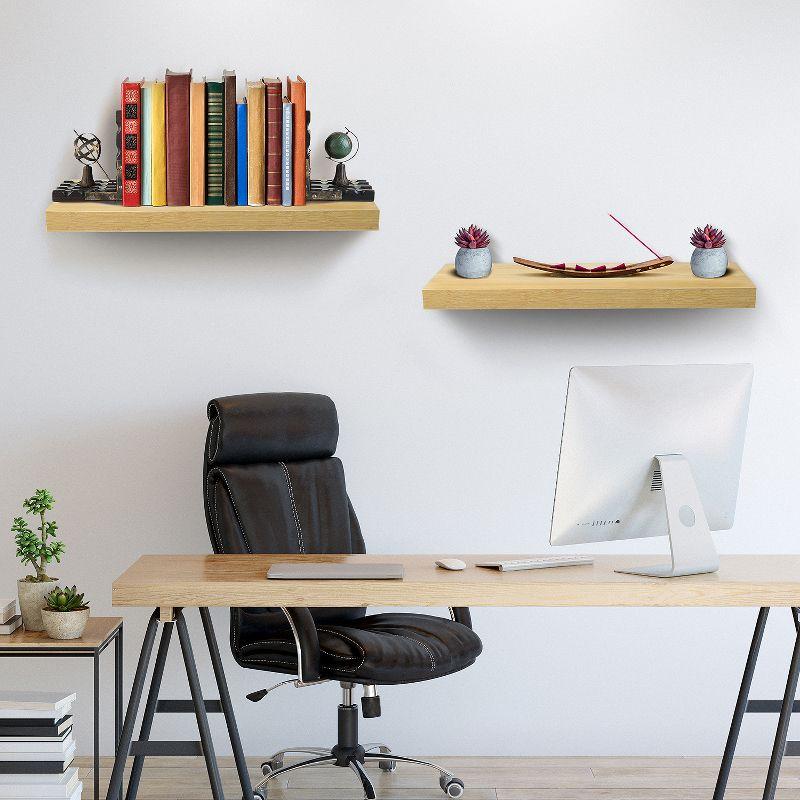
(38, 550)
(65, 614)
(709, 259)
(473, 259)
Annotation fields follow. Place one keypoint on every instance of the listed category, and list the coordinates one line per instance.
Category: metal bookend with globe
(339, 147)
(87, 150)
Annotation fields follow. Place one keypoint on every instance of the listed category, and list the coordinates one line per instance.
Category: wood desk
(170, 583)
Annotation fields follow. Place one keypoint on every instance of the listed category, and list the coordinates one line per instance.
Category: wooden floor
(491, 778)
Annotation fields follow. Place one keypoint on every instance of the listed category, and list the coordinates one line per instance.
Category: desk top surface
(240, 580)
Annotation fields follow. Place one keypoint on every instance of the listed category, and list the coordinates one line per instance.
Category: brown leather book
(229, 134)
(256, 128)
(197, 144)
(274, 103)
(178, 137)
(297, 94)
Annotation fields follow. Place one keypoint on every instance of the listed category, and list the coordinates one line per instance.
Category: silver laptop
(335, 571)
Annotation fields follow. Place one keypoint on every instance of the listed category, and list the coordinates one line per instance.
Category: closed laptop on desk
(297, 571)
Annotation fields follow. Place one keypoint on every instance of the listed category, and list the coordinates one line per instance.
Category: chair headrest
(257, 428)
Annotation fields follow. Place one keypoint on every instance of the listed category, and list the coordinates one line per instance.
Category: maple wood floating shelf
(111, 218)
(512, 286)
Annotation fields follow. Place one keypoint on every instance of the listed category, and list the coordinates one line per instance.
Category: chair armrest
(306, 640)
(462, 615)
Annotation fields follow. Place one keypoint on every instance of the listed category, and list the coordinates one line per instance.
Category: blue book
(147, 144)
(241, 154)
(286, 154)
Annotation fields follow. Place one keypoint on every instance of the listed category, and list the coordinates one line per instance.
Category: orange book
(256, 139)
(301, 157)
(197, 144)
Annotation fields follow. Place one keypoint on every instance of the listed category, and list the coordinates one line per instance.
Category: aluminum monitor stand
(693, 550)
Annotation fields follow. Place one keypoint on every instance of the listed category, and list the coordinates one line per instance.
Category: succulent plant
(472, 238)
(707, 238)
(38, 549)
(66, 599)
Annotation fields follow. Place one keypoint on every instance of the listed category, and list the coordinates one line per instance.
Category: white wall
(531, 118)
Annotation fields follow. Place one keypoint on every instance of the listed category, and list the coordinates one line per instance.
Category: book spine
(177, 95)
(230, 118)
(131, 144)
(147, 161)
(273, 142)
(197, 144)
(158, 144)
(214, 144)
(256, 120)
(241, 154)
(299, 125)
(286, 155)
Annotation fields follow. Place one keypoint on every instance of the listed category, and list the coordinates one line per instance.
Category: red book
(178, 84)
(296, 90)
(274, 145)
(131, 143)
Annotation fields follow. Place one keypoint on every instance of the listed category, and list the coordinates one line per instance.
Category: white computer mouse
(451, 563)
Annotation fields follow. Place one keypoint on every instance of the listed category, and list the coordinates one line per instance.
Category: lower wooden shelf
(511, 286)
(112, 218)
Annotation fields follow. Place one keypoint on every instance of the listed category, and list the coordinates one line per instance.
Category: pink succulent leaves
(707, 238)
(472, 238)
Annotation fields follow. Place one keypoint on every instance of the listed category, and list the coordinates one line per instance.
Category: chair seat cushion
(381, 648)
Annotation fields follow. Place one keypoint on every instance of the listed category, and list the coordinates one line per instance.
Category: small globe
(338, 145)
(87, 148)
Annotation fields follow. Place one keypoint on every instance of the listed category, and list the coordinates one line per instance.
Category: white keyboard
(537, 563)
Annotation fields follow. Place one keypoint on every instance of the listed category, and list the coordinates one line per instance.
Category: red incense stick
(635, 236)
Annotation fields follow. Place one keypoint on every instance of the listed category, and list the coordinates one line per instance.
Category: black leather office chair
(273, 485)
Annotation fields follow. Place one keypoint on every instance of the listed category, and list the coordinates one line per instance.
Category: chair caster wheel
(259, 794)
(387, 766)
(452, 787)
(271, 766)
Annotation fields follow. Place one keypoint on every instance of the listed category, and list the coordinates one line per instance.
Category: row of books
(9, 619)
(37, 746)
(189, 143)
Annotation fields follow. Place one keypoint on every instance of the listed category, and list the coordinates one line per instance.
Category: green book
(214, 143)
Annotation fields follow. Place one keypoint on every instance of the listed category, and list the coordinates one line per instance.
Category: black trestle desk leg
(227, 705)
(741, 705)
(124, 745)
(150, 708)
(785, 717)
(199, 707)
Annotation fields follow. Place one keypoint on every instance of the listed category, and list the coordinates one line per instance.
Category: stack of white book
(36, 746)
(9, 619)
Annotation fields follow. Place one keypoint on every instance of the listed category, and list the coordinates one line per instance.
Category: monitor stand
(693, 550)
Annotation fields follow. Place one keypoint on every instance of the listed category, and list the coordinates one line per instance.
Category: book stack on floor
(190, 143)
(9, 619)
(37, 747)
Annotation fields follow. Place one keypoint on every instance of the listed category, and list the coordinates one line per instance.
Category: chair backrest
(272, 484)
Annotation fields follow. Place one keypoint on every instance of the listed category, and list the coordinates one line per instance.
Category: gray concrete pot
(712, 263)
(65, 624)
(473, 263)
(32, 600)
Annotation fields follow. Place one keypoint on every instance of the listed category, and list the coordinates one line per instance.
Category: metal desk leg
(118, 670)
(227, 705)
(150, 709)
(741, 705)
(787, 705)
(199, 707)
(96, 664)
(124, 745)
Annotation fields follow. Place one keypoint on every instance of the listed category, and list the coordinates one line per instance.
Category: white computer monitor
(652, 451)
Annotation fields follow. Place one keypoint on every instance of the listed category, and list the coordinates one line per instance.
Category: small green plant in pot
(38, 550)
(65, 614)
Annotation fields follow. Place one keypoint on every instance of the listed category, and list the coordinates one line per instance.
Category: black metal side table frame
(75, 650)
(201, 707)
(784, 708)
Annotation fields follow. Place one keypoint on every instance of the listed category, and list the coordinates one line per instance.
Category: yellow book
(197, 144)
(158, 138)
(256, 141)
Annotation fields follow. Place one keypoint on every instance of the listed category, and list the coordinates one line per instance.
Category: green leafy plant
(66, 599)
(40, 549)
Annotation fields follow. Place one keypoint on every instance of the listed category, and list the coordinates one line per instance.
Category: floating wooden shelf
(314, 216)
(511, 286)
